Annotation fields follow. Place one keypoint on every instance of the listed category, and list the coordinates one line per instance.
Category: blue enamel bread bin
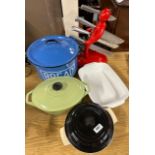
(54, 56)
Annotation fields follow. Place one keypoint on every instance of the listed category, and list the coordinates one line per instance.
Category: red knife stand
(88, 55)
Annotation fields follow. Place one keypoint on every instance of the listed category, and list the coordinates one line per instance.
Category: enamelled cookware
(88, 127)
(98, 80)
(56, 95)
(54, 56)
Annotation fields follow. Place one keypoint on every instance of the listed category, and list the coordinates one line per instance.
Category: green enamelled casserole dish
(56, 95)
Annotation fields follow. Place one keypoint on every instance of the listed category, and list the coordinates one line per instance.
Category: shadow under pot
(89, 127)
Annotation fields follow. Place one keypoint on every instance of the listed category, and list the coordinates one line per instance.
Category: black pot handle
(50, 41)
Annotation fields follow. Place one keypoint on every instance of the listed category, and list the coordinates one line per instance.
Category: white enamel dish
(104, 86)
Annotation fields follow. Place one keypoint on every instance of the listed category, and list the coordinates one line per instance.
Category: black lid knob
(57, 86)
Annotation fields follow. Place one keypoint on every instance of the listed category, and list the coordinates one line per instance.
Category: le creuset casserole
(89, 127)
(54, 56)
(56, 95)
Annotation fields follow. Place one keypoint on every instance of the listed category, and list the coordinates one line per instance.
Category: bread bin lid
(52, 51)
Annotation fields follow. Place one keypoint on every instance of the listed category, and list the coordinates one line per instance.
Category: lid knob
(57, 86)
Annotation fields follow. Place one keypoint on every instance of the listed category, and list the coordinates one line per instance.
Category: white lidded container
(104, 86)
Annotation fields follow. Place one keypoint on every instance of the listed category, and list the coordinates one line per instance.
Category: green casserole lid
(57, 94)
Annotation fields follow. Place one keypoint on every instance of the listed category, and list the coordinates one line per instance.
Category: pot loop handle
(27, 98)
(63, 136)
(112, 114)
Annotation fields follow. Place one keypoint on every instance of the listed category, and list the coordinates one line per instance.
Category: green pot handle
(27, 98)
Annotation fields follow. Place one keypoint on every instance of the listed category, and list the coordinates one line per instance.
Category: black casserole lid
(89, 127)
